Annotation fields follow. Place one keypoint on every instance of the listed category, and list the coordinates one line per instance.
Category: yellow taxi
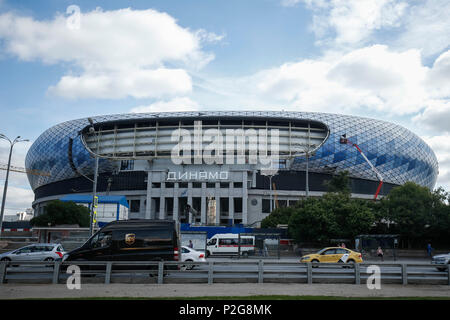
(333, 255)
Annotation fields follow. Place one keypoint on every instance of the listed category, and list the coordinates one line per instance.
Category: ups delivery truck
(130, 240)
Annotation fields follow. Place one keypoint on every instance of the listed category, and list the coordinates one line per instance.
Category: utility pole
(93, 216)
(12, 143)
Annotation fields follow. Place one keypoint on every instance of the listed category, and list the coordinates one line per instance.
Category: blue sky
(386, 59)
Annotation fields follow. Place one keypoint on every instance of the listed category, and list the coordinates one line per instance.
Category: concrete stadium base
(17, 291)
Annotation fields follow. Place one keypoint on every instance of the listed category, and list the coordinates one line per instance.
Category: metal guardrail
(219, 272)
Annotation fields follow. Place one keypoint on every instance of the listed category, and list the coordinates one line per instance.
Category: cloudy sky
(62, 60)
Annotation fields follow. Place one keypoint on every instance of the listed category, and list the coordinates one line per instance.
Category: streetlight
(269, 172)
(94, 188)
(12, 143)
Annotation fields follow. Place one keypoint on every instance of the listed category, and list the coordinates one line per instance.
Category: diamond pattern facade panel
(397, 153)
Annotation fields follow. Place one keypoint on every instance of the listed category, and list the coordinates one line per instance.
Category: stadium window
(237, 205)
(134, 205)
(127, 165)
(266, 206)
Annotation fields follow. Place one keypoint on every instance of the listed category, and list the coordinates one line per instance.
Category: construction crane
(345, 140)
(24, 170)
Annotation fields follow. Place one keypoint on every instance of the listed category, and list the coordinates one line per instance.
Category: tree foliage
(58, 212)
(278, 216)
(334, 216)
(339, 183)
(414, 212)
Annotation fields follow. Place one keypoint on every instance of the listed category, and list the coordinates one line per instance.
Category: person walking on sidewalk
(429, 250)
(380, 253)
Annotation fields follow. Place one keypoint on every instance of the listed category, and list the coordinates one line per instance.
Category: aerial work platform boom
(345, 140)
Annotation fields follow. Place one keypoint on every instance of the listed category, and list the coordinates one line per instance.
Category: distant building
(26, 215)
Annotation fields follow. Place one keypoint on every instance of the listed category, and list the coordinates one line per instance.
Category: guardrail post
(448, 272)
(211, 272)
(56, 266)
(309, 272)
(357, 273)
(108, 273)
(160, 272)
(260, 271)
(404, 274)
(2, 271)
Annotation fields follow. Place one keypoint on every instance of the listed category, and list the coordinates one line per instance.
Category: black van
(131, 240)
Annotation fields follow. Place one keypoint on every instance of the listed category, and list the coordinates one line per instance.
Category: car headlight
(305, 258)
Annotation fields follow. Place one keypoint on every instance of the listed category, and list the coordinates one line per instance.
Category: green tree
(335, 215)
(339, 183)
(278, 216)
(410, 208)
(439, 223)
(58, 212)
(312, 222)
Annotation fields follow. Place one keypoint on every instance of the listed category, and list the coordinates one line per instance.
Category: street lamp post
(270, 173)
(94, 188)
(12, 143)
(307, 175)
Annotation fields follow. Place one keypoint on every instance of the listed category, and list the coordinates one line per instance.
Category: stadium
(227, 167)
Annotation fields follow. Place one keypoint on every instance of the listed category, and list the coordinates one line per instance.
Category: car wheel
(189, 267)
(351, 263)
(49, 260)
(6, 259)
(315, 261)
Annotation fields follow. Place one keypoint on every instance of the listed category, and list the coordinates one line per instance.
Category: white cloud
(113, 53)
(441, 146)
(17, 181)
(138, 83)
(426, 26)
(439, 76)
(435, 117)
(348, 22)
(176, 104)
(373, 77)
(17, 199)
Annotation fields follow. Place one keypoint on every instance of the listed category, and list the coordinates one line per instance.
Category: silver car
(35, 252)
(441, 261)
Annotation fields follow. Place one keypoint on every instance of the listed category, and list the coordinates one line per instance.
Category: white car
(35, 252)
(189, 254)
(441, 261)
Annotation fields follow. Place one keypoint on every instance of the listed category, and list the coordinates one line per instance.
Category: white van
(228, 243)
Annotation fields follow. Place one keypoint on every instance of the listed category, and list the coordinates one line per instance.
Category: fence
(218, 272)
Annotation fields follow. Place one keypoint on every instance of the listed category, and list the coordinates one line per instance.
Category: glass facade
(397, 153)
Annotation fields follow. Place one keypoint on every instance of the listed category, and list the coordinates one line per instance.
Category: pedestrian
(429, 249)
(191, 245)
(380, 253)
(343, 245)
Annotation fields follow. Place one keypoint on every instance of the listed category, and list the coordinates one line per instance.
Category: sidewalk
(9, 291)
